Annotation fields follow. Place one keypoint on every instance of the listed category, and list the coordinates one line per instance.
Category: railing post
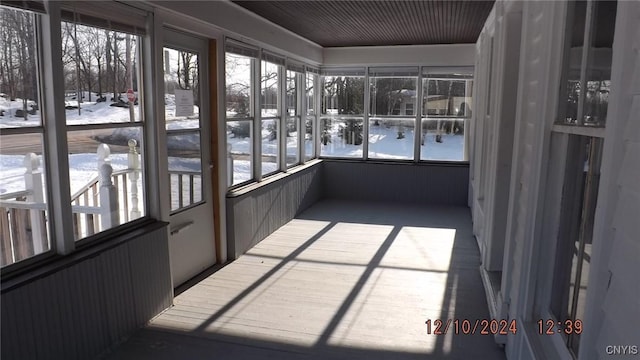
(108, 198)
(133, 159)
(229, 166)
(103, 155)
(33, 184)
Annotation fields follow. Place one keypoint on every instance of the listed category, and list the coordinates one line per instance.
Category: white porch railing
(104, 202)
(107, 200)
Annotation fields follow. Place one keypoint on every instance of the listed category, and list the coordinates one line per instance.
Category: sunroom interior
(253, 179)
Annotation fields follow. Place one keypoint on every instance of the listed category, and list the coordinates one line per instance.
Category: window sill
(242, 190)
(55, 263)
(400, 161)
(591, 131)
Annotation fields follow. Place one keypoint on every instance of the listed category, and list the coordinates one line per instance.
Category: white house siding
(613, 299)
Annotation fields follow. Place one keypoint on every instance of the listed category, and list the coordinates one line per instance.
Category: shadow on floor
(397, 267)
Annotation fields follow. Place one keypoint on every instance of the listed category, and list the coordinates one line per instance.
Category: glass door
(187, 125)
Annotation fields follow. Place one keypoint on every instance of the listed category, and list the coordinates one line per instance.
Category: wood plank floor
(344, 280)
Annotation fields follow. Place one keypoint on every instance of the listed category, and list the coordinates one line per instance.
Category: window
(270, 107)
(266, 102)
(573, 254)
(292, 116)
(391, 120)
(341, 122)
(583, 103)
(104, 118)
(97, 116)
(311, 115)
(23, 189)
(587, 63)
(239, 87)
(182, 122)
(446, 109)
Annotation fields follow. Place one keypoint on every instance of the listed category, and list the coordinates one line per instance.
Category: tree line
(18, 78)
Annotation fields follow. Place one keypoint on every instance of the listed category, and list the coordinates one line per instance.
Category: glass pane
(574, 248)
(23, 198)
(181, 90)
(292, 93)
(343, 95)
(442, 139)
(292, 141)
(393, 95)
(341, 136)
(182, 115)
(19, 105)
(101, 72)
(97, 205)
(239, 159)
(391, 138)
(577, 20)
(269, 134)
(269, 90)
(185, 169)
(598, 81)
(238, 91)
(443, 96)
(582, 256)
(310, 94)
(309, 143)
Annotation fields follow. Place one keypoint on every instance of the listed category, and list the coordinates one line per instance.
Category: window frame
(284, 65)
(464, 74)
(315, 139)
(299, 79)
(579, 128)
(41, 131)
(348, 72)
(140, 123)
(247, 51)
(399, 72)
(54, 130)
(265, 60)
(562, 136)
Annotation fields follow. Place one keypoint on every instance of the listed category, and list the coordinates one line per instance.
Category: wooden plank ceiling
(375, 23)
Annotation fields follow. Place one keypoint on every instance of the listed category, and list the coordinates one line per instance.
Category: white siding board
(613, 308)
(630, 169)
(626, 213)
(626, 252)
(632, 130)
(75, 313)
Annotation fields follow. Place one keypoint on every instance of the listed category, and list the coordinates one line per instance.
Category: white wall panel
(243, 25)
(613, 298)
(429, 55)
(78, 311)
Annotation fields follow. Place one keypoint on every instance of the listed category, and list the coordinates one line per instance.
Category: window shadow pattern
(374, 317)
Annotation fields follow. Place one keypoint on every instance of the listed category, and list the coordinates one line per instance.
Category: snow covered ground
(384, 144)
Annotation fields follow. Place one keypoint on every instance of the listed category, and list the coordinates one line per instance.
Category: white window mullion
(55, 129)
(417, 141)
(304, 108)
(257, 120)
(365, 125)
(318, 83)
(155, 138)
(301, 87)
(281, 159)
(588, 32)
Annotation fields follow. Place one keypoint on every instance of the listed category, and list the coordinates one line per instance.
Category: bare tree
(17, 62)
